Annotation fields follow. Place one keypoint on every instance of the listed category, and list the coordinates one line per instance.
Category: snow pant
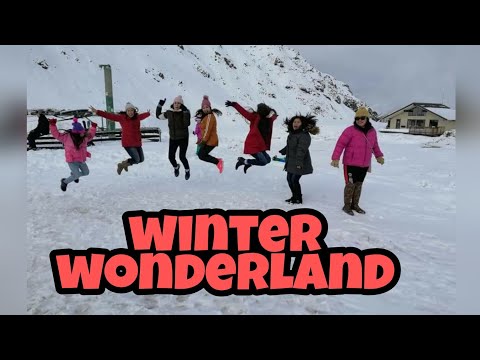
(136, 155)
(294, 185)
(172, 150)
(204, 154)
(77, 169)
(260, 159)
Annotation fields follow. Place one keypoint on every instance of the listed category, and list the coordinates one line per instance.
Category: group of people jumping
(357, 143)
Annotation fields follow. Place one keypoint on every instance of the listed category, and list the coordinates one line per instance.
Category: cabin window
(416, 123)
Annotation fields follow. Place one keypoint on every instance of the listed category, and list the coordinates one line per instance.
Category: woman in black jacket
(297, 160)
(178, 117)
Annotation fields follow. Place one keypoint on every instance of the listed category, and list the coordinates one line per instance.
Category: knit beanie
(77, 127)
(206, 102)
(362, 111)
(129, 106)
(178, 99)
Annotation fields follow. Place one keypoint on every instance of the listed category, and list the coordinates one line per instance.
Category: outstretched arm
(273, 115)
(158, 112)
(92, 131)
(107, 115)
(54, 131)
(246, 114)
(144, 115)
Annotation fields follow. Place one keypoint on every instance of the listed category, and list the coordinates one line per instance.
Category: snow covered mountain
(248, 74)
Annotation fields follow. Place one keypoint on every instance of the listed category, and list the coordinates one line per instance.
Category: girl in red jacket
(259, 136)
(131, 136)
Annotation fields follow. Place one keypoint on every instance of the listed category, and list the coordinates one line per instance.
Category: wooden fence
(430, 131)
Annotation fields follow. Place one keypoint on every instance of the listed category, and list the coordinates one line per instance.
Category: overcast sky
(388, 77)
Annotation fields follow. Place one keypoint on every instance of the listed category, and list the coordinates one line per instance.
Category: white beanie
(129, 106)
(178, 99)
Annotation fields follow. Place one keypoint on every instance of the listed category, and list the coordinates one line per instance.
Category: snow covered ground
(410, 203)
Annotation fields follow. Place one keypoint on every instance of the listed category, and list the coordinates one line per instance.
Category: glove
(52, 121)
(229, 103)
(194, 133)
(162, 102)
(94, 125)
(380, 160)
(334, 163)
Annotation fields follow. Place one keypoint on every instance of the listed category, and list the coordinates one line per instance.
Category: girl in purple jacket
(75, 144)
(357, 142)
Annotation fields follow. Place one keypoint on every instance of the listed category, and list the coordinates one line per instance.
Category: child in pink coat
(75, 144)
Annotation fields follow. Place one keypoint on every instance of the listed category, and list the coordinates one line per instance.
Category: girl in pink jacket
(75, 144)
(198, 130)
(357, 142)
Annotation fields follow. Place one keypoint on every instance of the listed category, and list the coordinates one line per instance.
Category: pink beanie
(178, 99)
(206, 102)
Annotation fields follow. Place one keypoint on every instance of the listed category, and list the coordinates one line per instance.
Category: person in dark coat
(41, 129)
(259, 136)
(178, 117)
(297, 154)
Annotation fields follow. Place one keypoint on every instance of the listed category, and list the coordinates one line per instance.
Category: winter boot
(176, 170)
(297, 194)
(356, 198)
(240, 162)
(297, 199)
(347, 198)
(290, 200)
(187, 174)
(246, 167)
(122, 166)
(119, 167)
(63, 185)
